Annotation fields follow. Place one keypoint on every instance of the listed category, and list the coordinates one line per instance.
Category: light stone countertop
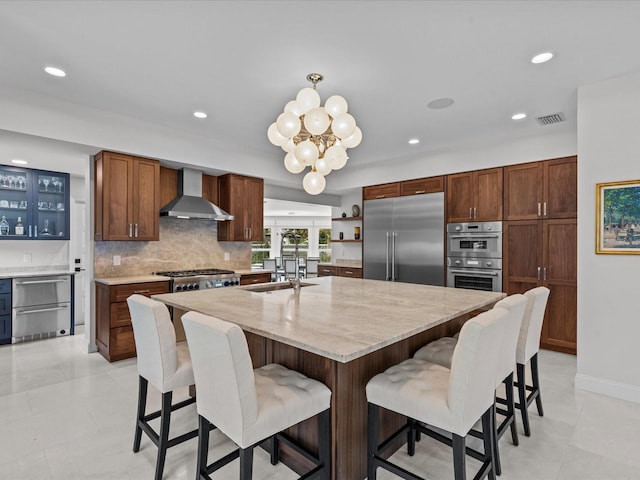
(337, 318)
(132, 279)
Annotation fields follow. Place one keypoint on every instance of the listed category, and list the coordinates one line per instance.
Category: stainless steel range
(200, 279)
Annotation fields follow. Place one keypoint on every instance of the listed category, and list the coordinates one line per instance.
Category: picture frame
(618, 217)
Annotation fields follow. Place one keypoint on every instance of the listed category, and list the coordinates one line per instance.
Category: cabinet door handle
(141, 292)
(538, 273)
(130, 230)
(420, 191)
(35, 231)
(136, 230)
(544, 211)
(475, 212)
(250, 231)
(348, 272)
(539, 211)
(30, 233)
(379, 196)
(470, 211)
(544, 274)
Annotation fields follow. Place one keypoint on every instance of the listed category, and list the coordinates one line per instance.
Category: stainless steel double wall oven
(474, 256)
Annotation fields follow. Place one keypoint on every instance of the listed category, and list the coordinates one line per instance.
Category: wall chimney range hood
(189, 202)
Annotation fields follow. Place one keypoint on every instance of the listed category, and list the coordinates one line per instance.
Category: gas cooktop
(194, 273)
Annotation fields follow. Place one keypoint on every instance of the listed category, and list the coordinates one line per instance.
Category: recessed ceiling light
(439, 103)
(199, 114)
(413, 141)
(542, 57)
(17, 161)
(56, 72)
(519, 116)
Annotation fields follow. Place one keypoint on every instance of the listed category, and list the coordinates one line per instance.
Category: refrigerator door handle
(393, 256)
(386, 276)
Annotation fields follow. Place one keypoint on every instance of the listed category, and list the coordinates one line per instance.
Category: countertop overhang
(338, 318)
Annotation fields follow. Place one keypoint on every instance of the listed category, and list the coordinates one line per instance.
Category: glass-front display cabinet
(34, 204)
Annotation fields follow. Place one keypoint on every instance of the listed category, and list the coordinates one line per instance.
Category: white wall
(608, 318)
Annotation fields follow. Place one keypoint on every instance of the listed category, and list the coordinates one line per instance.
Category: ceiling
(242, 61)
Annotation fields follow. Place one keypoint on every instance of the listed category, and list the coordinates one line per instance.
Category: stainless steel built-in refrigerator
(404, 239)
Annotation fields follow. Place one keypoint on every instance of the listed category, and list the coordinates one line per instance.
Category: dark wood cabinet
(251, 278)
(541, 190)
(416, 186)
(475, 196)
(127, 200)
(387, 190)
(338, 271)
(544, 252)
(242, 197)
(349, 272)
(327, 271)
(114, 332)
(421, 186)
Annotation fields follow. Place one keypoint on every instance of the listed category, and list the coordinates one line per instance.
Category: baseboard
(623, 391)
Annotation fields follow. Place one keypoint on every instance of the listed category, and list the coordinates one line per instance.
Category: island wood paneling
(347, 382)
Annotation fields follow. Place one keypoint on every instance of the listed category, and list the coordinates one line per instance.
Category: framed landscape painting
(618, 217)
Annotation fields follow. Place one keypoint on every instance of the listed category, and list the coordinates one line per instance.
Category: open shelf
(346, 219)
(346, 241)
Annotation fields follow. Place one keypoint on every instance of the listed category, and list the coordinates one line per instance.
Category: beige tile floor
(68, 415)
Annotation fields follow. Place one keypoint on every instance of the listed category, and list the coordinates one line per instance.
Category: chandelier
(315, 136)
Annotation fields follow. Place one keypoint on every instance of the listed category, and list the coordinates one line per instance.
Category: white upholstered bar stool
(528, 347)
(441, 352)
(247, 405)
(449, 399)
(164, 364)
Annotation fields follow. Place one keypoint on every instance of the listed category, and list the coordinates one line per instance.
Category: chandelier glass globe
(315, 136)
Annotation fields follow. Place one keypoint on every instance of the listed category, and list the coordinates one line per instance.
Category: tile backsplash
(183, 244)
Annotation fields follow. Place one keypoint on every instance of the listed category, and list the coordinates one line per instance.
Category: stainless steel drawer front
(44, 320)
(41, 290)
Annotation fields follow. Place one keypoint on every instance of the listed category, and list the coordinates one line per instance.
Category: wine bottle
(4, 226)
(19, 229)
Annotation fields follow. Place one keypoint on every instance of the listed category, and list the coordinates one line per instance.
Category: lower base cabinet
(5, 329)
(113, 322)
(335, 271)
(251, 278)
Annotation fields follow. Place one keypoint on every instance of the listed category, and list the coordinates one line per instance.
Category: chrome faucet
(295, 282)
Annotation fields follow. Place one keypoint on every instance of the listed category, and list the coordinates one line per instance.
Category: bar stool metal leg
(246, 463)
(459, 460)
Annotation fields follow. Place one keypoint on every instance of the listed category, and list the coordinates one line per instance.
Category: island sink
(270, 287)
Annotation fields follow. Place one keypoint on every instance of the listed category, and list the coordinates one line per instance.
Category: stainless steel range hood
(189, 202)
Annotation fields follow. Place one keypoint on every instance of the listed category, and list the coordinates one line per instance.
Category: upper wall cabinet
(242, 197)
(387, 190)
(541, 190)
(475, 196)
(34, 204)
(418, 186)
(127, 205)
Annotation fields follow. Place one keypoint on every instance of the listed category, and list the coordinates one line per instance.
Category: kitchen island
(342, 332)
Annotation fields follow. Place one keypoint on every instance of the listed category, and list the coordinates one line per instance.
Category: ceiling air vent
(551, 119)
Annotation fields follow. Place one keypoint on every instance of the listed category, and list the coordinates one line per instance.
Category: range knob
(190, 287)
(196, 286)
(457, 262)
(178, 288)
(237, 282)
(458, 228)
(226, 283)
(489, 264)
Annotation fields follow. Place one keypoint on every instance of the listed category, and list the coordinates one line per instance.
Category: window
(324, 244)
(260, 250)
(289, 245)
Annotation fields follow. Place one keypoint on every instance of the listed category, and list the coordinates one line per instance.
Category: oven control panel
(466, 262)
